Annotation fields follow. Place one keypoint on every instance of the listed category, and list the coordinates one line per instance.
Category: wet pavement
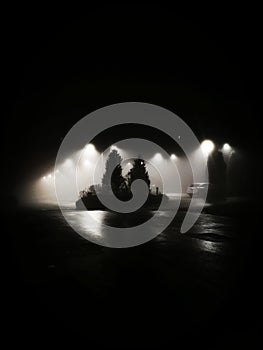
(201, 287)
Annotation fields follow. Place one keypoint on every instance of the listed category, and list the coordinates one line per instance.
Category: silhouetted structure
(121, 186)
(217, 174)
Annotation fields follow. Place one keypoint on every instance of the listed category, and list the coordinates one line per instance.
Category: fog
(80, 169)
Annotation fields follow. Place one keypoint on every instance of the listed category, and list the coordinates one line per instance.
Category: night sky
(58, 67)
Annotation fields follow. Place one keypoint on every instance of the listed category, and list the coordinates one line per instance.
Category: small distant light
(49, 176)
(141, 163)
(158, 157)
(173, 156)
(227, 147)
(129, 163)
(68, 162)
(44, 178)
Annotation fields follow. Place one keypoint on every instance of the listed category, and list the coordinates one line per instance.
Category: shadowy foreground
(200, 288)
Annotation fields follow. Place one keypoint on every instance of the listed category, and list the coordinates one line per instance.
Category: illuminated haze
(84, 161)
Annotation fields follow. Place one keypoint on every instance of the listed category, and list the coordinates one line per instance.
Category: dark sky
(203, 64)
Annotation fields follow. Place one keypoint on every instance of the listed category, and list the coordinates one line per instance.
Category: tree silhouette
(112, 177)
(138, 171)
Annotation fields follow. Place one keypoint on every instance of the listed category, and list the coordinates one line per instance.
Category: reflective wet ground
(201, 287)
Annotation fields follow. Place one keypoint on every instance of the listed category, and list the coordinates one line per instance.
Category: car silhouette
(199, 189)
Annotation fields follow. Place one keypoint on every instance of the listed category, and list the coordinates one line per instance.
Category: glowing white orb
(207, 147)
(173, 156)
(157, 157)
(90, 147)
(68, 162)
(113, 147)
(227, 147)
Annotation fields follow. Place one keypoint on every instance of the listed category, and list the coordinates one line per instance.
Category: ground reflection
(209, 246)
(208, 232)
(93, 224)
(87, 224)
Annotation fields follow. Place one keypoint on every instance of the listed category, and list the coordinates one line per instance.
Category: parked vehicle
(198, 189)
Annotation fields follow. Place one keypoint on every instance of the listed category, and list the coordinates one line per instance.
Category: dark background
(202, 63)
(59, 64)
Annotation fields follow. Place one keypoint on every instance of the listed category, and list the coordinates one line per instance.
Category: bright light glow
(79, 167)
(68, 162)
(227, 147)
(113, 147)
(90, 148)
(157, 157)
(207, 147)
(89, 151)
